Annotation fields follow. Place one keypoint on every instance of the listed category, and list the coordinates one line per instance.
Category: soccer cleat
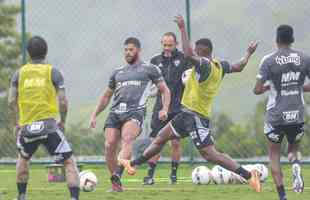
(116, 184)
(173, 179)
(254, 181)
(148, 180)
(126, 164)
(298, 182)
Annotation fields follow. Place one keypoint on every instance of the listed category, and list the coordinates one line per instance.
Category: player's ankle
(74, 192)
(281, 192)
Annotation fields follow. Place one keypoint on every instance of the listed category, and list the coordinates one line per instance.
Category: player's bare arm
(186, 45)
(63, 106)
(12, 103)
(306, 87)
(260, 87)
(102, 104)
(239, 66)
(166, 98)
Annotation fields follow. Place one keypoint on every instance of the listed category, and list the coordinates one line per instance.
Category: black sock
(142, 159)
(151, 170)
(244, 173)
(174, 168)
(74, 192)
(119, 171)
(281, 192)
(21, 187)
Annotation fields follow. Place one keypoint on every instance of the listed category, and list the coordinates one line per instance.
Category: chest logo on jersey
(177, 62)
(292, 58)
(291, 116)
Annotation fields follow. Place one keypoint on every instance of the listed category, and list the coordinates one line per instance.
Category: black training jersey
(131, 85)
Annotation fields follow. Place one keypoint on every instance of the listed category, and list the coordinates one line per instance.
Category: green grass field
(40, 189)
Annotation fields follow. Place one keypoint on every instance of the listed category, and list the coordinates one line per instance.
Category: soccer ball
(263, 170)
(201, 175)
(221, 175)
(88, 181)
(185, 76)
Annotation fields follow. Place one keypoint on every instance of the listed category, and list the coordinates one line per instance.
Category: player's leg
(156, 146)
(156, 125)
(176, 151)
(294, 136)
(22, 176)
(204, 142)
(152, 163)
(26, 150)
(57, 145)
(112, 139)
(276, 171)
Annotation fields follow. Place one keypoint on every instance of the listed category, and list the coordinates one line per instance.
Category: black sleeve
(226, 67)
(112, 82)
(155, 74)
(154, 61)
(58, 79)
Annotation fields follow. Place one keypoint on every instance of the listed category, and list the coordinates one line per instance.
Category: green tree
(10, 60)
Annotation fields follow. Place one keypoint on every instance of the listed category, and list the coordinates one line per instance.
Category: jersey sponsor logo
(291, 116)
(129, 83)
(34, 82)
(290, 76)
(177, 62)
(292, 58)
(289, 92)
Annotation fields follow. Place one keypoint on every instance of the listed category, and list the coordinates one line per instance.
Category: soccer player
(194, 119)
(172, 64)
(284, 72)
(130, 85)
(33, 95)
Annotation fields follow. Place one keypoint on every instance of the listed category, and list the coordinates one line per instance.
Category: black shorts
(157, 124)
(191, 124)
(293, 133)
(54, 141)
(117, 120)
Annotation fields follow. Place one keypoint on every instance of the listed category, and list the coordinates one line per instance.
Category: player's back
(287, 70)
(36, 93)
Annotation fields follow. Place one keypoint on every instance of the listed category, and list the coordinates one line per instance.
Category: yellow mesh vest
(36, 93)
(199, 97)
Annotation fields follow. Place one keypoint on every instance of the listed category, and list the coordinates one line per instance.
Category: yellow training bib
(37, 97)
(198, 96)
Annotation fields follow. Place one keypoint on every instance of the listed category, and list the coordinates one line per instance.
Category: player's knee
(127, 141)
(109, 146)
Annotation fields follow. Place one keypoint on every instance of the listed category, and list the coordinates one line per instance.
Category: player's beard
(132, 59)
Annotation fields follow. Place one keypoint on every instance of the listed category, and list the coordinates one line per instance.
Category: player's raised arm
(186, 45)
(239, 66)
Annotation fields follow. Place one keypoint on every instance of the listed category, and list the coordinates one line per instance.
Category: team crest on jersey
(177, 62)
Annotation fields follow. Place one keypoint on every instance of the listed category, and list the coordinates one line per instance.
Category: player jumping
(194, 120)
(284, 72)
(131, 86)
